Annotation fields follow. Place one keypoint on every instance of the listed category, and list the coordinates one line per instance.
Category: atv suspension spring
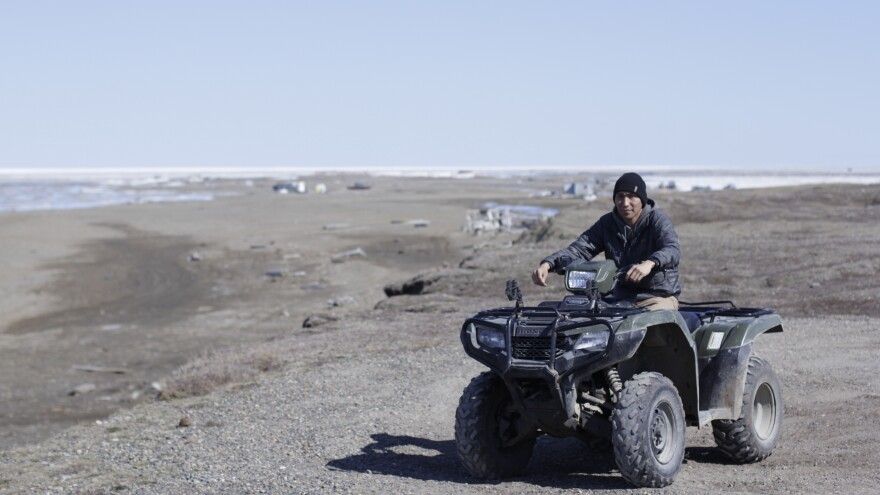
(613, 379)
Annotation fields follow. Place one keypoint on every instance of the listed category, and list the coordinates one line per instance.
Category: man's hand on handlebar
(539, 276)
(639, 271)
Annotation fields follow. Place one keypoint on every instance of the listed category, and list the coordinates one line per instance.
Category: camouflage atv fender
(665, 347)
(724, 349)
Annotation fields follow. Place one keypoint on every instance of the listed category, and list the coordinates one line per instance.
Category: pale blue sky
(439, 84)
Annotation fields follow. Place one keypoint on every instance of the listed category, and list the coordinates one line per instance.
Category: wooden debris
(98, 369)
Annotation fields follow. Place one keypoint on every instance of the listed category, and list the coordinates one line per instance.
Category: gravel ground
(383, 423)
(366, 403)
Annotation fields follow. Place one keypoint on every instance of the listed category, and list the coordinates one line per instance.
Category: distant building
(585, 190)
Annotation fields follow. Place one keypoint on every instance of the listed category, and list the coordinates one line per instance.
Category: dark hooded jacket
(651, 238)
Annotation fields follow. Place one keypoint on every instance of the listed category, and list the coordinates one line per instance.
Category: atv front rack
(549, 319)
(536, 339)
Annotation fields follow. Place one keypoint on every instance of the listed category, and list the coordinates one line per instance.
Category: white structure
(492, 218)
(584, 189)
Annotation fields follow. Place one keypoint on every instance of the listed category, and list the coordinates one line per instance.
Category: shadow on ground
(558, 463)
(706, 455)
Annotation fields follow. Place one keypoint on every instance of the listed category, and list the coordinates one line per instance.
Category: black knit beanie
(632, 182)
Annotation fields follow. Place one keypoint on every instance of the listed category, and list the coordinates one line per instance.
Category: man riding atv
(598, 366)
(635, 235)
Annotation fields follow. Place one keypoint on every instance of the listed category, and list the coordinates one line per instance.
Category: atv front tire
(492, 439)
(753, 436)
(648, 431)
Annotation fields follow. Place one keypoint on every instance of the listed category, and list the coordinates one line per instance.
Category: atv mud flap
(722, 380)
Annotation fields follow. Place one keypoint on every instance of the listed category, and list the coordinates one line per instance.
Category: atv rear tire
(648, 431)
(753, 436)
(491, 437)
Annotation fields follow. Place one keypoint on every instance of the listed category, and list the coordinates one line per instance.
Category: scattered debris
(341, 257)
(195, 256)
(419, 223)
(815, 285)
(318, 319)
(83, 389)
(98, 369)
(414, 286)
(422, 303)
(340, 301)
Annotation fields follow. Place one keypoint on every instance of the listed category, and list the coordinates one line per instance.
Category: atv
(605, 371)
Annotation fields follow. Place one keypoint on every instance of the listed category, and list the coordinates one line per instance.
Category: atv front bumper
(542, 354)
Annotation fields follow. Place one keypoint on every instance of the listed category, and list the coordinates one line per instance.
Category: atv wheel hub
(662, 435)
(764, 411)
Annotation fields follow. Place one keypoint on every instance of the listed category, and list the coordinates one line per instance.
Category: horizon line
(305, 169)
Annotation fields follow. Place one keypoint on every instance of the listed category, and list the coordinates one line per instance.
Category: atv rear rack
(703, 310)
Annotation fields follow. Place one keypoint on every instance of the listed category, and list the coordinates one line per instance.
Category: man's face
(629, 206)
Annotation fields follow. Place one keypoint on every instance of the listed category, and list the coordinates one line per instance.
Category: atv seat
(692, 320)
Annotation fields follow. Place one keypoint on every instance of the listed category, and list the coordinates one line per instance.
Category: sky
(463, 84)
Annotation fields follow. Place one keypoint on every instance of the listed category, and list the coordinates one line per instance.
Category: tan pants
(658, 303)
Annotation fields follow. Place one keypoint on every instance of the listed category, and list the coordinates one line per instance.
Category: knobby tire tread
(476, 457)
(628, 438)
(736, 439)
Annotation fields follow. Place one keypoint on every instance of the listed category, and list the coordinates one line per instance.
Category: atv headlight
(579, 280)
(492, 338)
(593, 341)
